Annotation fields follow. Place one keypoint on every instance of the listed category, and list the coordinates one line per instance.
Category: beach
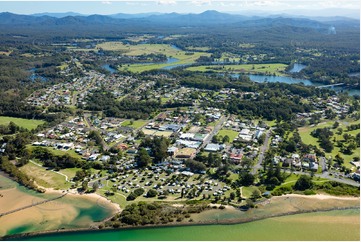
(72, 210)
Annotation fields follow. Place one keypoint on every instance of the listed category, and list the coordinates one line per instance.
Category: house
(287, 162)
(310, 158)
(236, 157)
(213, 147)
(186, 153)
(172, 150)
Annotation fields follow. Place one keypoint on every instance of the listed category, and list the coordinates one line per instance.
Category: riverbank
(52, 210)
(276, 207)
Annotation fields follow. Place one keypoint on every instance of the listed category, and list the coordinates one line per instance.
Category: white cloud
(106, 2)
(167, 2)
(202, 2)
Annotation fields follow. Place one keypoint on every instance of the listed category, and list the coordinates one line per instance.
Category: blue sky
(180, 6)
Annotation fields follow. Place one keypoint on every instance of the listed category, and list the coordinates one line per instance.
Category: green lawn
(305, 133)
(25, 123)
(275, 68)
(136, 50)
(44, 177)
(57, 152)
(231, 134)
(116, 198)
(136, 123)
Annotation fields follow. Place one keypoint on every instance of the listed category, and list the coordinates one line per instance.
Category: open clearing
(275, 68)
(136, 124)
(231, 134)
(44, 177)
(22, 122)
(307, 138)
(183, 57)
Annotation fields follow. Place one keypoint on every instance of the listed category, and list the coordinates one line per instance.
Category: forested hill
(208, 18)
(338, 33)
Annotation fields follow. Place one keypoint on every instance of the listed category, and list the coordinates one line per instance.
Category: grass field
(231, 134)
(57, 152)
(44, 177)
(307, 138)
(136, 123)
(275, 68)
(136, 50)
(25, 123)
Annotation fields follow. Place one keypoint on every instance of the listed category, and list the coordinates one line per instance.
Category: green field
(136, 123)
(25, 123)
(141, 49)
(307, 138)
(57, 152)
(231, 134)
(275, 68)
(44, 177)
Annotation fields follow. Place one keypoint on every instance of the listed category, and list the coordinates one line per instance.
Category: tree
(143, 159)
(84, 185)
(95, 186)
(246, 179)
(226, 139)
(303, 183)
(152, 193)
(255, 194)
(232, 195)
(338, 159)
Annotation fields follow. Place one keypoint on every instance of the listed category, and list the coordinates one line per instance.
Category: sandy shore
(47, 216)
(322, 197)
(100, 200)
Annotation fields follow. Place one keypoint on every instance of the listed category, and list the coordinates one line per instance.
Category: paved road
(327, 176)
(263, 150)
(323, 163)
(218, 126)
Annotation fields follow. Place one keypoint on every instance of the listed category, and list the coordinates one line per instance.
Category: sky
(320, 7)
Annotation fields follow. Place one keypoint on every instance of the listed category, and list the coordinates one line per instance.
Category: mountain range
(155, 21)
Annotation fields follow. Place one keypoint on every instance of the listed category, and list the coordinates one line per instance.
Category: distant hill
(57, 15)
(148, 22)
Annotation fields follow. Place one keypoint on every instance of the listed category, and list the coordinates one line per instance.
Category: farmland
(275, 68)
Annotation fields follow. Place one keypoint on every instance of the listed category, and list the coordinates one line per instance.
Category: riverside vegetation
(171, 129)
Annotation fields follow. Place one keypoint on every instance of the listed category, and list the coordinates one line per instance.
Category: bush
(138, 191)
(309, 192)
(152, 193)
(132, 196)
(303, 183)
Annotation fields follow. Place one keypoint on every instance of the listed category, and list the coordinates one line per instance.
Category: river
(332, 225)
(70, 211)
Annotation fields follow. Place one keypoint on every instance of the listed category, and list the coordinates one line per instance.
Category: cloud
(167, 2)
(202, 2)
(106, 2)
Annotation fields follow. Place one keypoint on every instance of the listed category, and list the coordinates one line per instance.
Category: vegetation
(153, 213)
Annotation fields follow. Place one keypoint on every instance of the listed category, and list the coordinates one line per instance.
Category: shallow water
(67, 212)
(333, 225)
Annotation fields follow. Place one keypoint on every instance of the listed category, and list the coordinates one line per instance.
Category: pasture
(274, 68)
(22, 122)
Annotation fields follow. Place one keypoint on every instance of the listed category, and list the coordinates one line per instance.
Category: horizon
(320, 8)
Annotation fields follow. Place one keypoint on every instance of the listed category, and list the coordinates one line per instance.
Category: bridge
(332, 85)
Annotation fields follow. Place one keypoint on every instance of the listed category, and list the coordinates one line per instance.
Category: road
(263, 150)
(323, 163)
(218, 126)
(327, 176)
